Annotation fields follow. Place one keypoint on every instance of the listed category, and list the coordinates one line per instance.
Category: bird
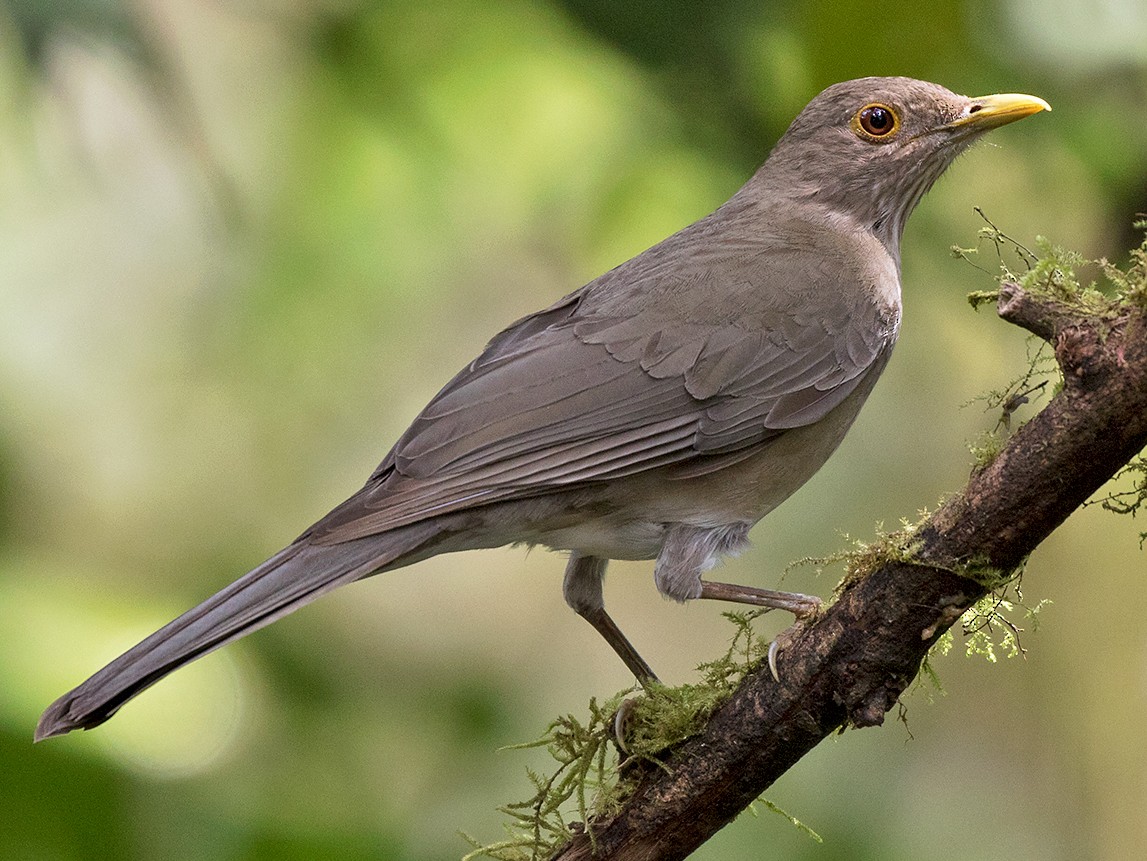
(656, 413)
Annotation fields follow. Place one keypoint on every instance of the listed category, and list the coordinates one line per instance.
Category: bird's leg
(582, 591)
(690, 550)
(796, 603)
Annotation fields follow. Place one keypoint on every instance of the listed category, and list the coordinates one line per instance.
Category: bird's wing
(685, 365)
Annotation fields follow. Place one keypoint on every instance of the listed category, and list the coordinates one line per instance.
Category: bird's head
(867, 150)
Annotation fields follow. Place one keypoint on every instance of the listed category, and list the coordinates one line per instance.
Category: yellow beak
(988, 112)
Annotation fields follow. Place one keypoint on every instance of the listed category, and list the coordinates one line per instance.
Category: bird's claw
(621, 720)
(774, 650)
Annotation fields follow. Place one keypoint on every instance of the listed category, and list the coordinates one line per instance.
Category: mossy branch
(849, 666)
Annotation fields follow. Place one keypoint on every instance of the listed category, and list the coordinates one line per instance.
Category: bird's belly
(646, 507)
(609, 538)
(641, 508)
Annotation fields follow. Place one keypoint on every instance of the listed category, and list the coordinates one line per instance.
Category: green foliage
(595, 756)
(1053, 271)
(1057, 272)
(990, 629)
(773, 808)
(586, 779)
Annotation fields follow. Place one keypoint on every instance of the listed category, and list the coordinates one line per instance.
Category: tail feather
(284, 583)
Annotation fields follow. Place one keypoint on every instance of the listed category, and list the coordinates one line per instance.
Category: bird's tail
(284, 583)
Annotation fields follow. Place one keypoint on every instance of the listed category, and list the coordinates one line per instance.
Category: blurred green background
(243, 241)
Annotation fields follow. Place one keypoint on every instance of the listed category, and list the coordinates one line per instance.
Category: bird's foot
(801, 606)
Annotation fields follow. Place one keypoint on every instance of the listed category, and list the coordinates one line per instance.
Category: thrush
(656, 413)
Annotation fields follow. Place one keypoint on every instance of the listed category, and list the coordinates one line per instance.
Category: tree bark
(849, 665)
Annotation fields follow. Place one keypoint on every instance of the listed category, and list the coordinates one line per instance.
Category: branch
(848, 666)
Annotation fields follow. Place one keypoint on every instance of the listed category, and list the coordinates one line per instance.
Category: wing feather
(595, 388)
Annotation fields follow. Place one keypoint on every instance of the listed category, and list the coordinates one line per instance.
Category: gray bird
(656, 413)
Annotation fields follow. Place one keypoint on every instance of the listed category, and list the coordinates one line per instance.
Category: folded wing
(592, 389)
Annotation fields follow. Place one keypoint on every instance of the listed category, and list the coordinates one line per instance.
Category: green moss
(591, 779)
(584, 781)
(1041, 377)
(1058, 273)
(1129, 501)
(796, 823)
(928, 671)
(1131, 282)
(989, 629)
(666, 716)
(1011, 258)
(863, 557)
(985, 447)
(1054, 272)
(1130, 285)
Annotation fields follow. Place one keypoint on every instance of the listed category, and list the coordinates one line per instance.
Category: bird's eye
(876, 122)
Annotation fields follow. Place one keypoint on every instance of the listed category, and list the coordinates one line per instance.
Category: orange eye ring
(876, 122)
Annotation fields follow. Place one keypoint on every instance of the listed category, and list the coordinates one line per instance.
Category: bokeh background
(243, 241)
